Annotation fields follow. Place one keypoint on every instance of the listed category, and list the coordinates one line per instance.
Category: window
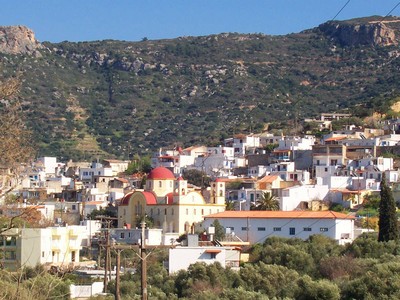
(160, 184)
(10, 255)
(11, 241)
(307, 228)
(323, 229)
(194, 211)
(213, 255)
(165, 212)
(292, 231)
(187, 211)
(245, 229)
(277, 229)
(260, 228)
(122, 235)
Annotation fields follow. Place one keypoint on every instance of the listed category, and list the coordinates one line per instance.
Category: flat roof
(252, 214)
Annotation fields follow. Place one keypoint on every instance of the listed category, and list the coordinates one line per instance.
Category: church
(171, 203)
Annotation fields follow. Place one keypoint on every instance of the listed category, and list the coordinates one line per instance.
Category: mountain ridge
(134, 97)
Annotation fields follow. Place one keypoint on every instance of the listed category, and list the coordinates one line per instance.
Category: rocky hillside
(90, 98)
(361, 32)
(18, 40)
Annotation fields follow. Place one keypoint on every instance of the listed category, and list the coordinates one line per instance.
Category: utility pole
(142, 256)
(106, 244)
(117, 279)
(144, 261)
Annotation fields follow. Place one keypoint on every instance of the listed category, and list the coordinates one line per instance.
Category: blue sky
(131, 20)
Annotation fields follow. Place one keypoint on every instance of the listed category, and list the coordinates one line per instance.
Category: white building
(49, 164)
(242, 143)
(256, 226)
(117, 166)
(96, 169)
(130, 236)
(180, 258)
(296, 143)
(292, 197)
(178, 159)
(216, 162)
(32, 246)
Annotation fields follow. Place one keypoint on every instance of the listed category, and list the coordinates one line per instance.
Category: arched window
(160, 183)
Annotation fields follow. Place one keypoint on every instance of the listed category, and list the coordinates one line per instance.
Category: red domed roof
(125, 199)
(161, 173)
(150, 197)
(170, 198)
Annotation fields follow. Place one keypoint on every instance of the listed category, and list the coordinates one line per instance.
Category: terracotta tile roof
(269, 178)
(335, 138)
(347, 191)
(93, 202)
(280, 215)
(122, 180)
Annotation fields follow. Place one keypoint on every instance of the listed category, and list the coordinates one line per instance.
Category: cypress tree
(388, 228)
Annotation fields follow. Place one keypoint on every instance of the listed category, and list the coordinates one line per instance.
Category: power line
(340, 10)
(391, 11)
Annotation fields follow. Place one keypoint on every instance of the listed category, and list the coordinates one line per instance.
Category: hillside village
(307, 177)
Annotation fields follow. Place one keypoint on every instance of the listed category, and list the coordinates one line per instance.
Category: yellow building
(170, 202)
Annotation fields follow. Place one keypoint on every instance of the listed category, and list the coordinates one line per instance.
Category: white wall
(35, 246)
(86, 291)
(180, 258)
(260, 229)
(293, 196)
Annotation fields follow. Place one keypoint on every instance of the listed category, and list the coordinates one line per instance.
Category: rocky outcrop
(370, 33)
(18, 40)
